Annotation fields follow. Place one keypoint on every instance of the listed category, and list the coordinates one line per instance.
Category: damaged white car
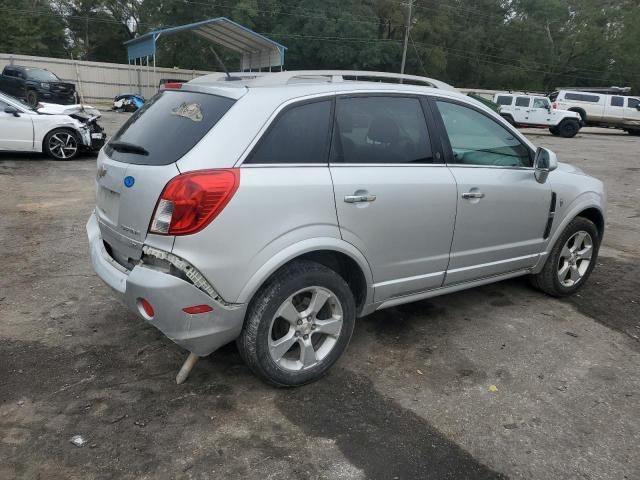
(60, 131)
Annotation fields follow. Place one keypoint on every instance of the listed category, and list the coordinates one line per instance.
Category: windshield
(41, 75)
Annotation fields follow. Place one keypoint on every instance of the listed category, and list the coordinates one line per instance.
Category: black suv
(35, 85)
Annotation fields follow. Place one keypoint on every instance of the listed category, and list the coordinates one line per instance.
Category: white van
(601, 110)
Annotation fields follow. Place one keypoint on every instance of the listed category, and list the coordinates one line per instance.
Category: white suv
(536, 112)
(601, 109)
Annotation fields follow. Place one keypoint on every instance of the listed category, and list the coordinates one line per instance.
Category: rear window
(504, 100)
(167, 127)
(581, 97)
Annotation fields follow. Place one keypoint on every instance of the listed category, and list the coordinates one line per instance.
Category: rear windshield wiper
(126, 147)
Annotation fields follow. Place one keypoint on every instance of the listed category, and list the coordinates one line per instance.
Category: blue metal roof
(257, 50)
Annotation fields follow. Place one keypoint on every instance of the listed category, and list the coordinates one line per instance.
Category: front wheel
(571, 260)
(298, 324)
(554, 131)
(569, 128)
(61, 144)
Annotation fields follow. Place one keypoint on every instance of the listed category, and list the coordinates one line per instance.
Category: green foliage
(512, 44)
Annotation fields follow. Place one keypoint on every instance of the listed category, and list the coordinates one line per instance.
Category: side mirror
(544, 162)
(12, 110)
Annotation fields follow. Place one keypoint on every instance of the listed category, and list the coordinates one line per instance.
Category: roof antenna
(221, 63)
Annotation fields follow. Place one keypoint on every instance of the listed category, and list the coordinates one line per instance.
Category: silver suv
(275, 209)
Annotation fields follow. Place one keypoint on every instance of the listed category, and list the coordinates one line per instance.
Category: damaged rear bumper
(200, 333)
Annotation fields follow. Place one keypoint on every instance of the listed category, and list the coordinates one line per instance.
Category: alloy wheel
(305, 328)
(63, 145)
(575, 258)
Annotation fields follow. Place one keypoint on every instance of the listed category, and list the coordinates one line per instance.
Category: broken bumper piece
(168, 295)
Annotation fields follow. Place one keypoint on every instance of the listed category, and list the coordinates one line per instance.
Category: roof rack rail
(260, 79)
(603, 90)
(333, 76)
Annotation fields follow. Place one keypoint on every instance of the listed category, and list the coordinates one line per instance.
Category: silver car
(274, 209)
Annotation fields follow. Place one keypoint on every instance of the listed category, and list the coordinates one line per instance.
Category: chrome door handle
(473, 195)
(359, 198)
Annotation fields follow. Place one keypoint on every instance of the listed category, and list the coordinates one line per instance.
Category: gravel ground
(410, 399)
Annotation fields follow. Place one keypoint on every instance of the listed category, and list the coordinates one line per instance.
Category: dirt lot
(410, 399)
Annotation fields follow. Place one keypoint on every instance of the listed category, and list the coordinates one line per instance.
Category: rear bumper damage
(168, 294)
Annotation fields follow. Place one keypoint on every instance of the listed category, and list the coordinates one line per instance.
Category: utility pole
(406, 36)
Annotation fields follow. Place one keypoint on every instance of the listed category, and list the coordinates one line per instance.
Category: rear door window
(167, 127)
(504, 100)
(522, 101)
(617, 101)
(300, 134)
(380, 129)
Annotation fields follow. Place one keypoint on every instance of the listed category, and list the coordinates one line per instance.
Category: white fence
(99, 82)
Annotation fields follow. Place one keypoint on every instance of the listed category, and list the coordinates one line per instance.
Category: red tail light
(189, 202)
(172, 85)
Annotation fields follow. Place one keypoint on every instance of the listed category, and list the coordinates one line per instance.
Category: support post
(186, 368)
(406, 37)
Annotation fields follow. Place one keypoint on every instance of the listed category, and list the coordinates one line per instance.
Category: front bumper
(200, 333)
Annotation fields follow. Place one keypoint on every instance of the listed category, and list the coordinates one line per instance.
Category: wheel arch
(587, 206)
(61, 128)
(335, 254)
(580, 111)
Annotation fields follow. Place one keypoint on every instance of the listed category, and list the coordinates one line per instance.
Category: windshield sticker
(192, 111)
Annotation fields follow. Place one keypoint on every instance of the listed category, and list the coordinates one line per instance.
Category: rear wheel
(571, 260)
(61, 144)
(298, 324)
(635, 133)
(32, 98)
(568, 128)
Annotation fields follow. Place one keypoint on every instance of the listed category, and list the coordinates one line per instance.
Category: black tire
(569, 128)
(635, 133)
(32, 98)
(548, 279)
(66, 153)
(253, 342)
(554, 131)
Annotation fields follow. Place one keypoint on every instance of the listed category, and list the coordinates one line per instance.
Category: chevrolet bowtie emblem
(102, 171)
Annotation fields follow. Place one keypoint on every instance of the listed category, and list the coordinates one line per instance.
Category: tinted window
(478, 140)
(581, 97)
(504, 100)
(541, 103)
(41, 75)
(617, 102)
(299, 135)
(522, 101)
(167, 126)
(633, 102)
(9, 72)
(380, 130)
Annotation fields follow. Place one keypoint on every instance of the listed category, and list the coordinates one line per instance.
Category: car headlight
(46, 86)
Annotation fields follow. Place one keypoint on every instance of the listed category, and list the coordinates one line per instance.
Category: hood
(55, 109)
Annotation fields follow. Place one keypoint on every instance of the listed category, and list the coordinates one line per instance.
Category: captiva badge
(129, 181)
